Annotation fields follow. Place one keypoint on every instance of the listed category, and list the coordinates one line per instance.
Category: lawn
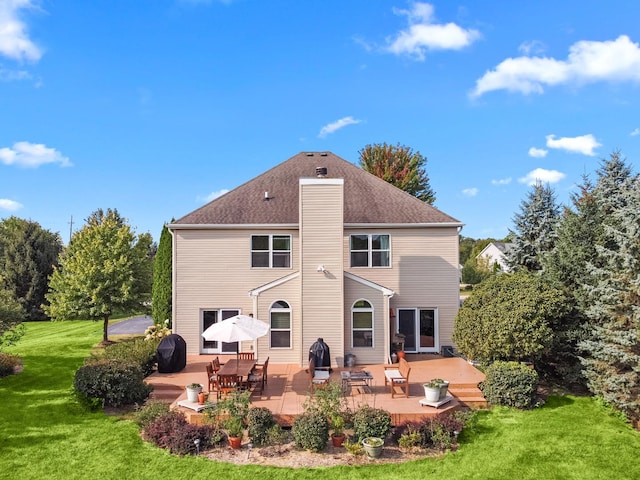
(43, 434)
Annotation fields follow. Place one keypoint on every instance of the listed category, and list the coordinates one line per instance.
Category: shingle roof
(367, 198)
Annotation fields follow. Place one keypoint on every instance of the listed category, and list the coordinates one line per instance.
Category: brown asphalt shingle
(367, 198)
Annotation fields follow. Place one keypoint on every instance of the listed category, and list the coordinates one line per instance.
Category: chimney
(321, 172)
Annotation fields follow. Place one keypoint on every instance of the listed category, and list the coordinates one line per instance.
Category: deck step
(165, 392)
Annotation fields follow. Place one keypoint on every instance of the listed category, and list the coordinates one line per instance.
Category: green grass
(43, 434)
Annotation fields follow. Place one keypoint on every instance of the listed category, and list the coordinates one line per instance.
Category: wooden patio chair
(259, 375)
(212, 378)
(216, 365)
(398, 377)
(228, 384)
(245, 355)
(317, 375)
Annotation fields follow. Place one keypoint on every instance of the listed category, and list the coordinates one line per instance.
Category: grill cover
(319, 352)
(172, 354)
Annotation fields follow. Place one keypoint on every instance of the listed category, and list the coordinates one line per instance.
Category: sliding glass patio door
(209, 317)
(420, 328)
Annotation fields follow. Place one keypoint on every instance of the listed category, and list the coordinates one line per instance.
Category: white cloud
(533, 46)
(470, 192)
(424, 34)
(10, 205)
(542, 175)
(14, 38)
(636, 132)
(583, 144)
(588, 61)
(337, 125)
(212, 196)
(502, 181)
(538, 152)
(32, 155)
(13, 75)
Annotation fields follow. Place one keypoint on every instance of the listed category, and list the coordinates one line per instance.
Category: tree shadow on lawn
(555, 401)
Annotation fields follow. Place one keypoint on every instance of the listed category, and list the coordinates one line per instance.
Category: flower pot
(337, 440)
(235, 442)
(201, 398)
(400, 353)
(373, 446)
(192, 393)
(431, 394)
(443, 389)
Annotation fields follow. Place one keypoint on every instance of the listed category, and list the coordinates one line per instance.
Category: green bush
(150, 411)
(137, 351)
(311, 431)
(371, 422)
(173, 432)
(259, 422)
(115, 382)
(511, 384)
(8, 363)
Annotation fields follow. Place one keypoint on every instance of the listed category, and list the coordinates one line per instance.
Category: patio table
(242, 368)
(360, 378)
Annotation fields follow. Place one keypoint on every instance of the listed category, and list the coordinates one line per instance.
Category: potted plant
(444, 386)
(431, 391)
(193, 389)
(373, 446)
(337, 424)
(235, 429)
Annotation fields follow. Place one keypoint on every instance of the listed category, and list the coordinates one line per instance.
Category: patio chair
(245, 355)
(212, 378)
(259, 375)
(398, 377)
(228, 384)
(215, 364)
(317, 375)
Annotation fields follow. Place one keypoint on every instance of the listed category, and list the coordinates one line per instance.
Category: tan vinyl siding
(290, 293)
(212, 270)
(321, 225)
(354, 291)
(423, 273)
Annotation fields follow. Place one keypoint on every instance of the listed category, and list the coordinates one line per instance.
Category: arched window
(280, 316)
(362, 324)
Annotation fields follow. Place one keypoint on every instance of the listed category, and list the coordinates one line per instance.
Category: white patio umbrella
(238, 328)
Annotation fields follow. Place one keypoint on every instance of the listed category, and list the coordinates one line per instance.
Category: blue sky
(155, 106)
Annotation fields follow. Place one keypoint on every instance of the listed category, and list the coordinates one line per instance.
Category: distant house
(317, 247)
(495, 253)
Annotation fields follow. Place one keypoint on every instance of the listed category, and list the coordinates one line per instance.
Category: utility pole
(70, 228)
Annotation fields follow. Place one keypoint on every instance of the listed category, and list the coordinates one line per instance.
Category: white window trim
(290, 329)
(373, 318)
(271, 251)
(436, 328)
(370, 251)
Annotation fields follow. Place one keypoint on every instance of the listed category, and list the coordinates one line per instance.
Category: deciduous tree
(400, 166)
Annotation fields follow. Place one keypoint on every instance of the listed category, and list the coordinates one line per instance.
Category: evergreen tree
(535, 226)
(11, 317)
(104, 269)
(28, 255)
(400, 166)
(161, 293)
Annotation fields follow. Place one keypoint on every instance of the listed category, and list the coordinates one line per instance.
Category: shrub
(173, 432)
(8, 363)
(150, 411)
(260, 421)
(311, 431)
(115, 382)
(328, 399)
(353, 447)
(511, 384)
(135, 351)
(371, 422)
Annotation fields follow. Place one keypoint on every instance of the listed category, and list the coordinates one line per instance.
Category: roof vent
(321, 171)
(323, 154)
(309, 154)
(266, 196)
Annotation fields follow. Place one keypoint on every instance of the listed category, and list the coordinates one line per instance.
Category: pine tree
(535, 226)
(161, 293)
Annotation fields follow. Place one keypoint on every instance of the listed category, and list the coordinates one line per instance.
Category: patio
(288, 387)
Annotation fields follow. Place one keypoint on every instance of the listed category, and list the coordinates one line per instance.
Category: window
(362, 324)
(209, 317)
(271, 251)
(280, 315)
(370, 250)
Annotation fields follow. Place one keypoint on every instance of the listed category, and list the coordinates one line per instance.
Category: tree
(535, 226)
(400, 166)
(161, 293)
(508, 317)
(105, 268)
(28, 255)
(11, 317)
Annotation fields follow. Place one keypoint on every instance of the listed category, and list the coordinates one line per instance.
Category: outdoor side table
(360, 378)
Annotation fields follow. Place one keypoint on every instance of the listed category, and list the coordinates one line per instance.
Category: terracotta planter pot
(337, 440)
(235, 442)
(400, 354)
(201, 398)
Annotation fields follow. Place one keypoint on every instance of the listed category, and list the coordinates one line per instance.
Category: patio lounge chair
(317, 375)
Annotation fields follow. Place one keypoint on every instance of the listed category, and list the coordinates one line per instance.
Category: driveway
(133, 326)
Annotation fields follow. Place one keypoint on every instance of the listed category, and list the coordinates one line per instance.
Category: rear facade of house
(317, 248)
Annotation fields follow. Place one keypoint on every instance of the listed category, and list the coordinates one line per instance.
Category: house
(317, 247)
(494, 253)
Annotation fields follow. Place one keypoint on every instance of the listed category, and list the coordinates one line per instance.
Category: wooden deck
(288, 387)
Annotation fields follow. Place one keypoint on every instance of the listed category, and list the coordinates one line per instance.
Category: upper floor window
(271, 251)
(370, 250)
(280, 325)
